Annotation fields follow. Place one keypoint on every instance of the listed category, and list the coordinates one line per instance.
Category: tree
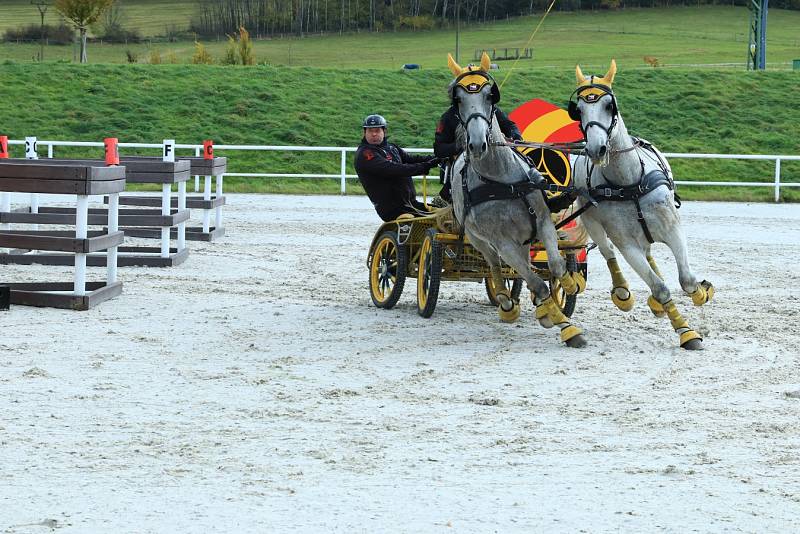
(82, 13)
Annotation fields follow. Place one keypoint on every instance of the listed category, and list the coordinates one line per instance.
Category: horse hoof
(546, 322)
(576, 342)
(624, 302)
(693, 344)
(509, 316)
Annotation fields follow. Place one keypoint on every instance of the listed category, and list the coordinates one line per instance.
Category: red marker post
(112, 151)
(208, 149)
(3, 147)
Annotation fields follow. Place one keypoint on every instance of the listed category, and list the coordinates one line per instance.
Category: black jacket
(385, 171)
(445, 145)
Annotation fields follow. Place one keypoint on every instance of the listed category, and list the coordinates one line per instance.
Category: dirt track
(255, 388)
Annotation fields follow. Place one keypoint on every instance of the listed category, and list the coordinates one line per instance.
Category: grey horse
(631, 183)
(499, 202)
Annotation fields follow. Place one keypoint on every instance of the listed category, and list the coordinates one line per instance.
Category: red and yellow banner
(543, 122)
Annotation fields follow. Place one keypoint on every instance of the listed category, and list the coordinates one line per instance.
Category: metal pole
(197, 176)
(343, 175)
(181, 207)
(113, 226)
(166, 193)
(207, 211)
(81, 231)
(218, 214)
(777, 179)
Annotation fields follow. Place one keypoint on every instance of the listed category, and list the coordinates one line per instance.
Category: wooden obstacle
(199, 166)
(80, 180)
(159, 222)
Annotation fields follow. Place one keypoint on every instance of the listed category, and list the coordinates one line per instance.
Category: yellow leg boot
(568, 283)
(703, 293)
(580, 280)
(543, 312)
(570, 334)
(507, 315)
(655, 306)
(621, 296)
(653, 266)
(690, 339)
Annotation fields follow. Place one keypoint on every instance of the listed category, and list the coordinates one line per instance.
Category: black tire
(514, 285)
(429, 274)
(387, 270)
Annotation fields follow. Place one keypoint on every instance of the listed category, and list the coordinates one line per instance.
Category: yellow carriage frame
(428, 249)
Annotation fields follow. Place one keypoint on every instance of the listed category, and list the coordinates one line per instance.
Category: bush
(155, 57)
(55, 35)
(231, 56)
(201, 55)
(132, 56)
(246, 48)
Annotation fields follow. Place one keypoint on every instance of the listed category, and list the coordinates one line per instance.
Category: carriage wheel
(429, 274)
(513, 285)
(387, 271)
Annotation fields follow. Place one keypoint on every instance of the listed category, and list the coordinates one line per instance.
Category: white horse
(498, 200)
(631, 183)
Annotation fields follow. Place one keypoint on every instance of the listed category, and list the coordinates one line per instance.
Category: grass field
(149, 17)
(678, 110)
(676, 36)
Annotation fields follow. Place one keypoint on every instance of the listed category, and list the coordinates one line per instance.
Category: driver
(385, 171)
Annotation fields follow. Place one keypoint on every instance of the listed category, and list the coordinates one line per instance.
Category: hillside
(679, 36)
(679, 110)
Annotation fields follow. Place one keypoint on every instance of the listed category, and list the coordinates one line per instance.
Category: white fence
(343, 151)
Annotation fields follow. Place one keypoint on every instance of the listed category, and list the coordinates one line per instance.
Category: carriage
(430, 250)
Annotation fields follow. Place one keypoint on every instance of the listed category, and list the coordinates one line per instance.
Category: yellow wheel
(387, 271)
(512, 285)
(429, 274)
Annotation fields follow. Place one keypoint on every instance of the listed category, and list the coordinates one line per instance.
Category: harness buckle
(607, 192)
(531, 210)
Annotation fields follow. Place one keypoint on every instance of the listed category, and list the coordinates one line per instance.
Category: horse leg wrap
(621, 296)
(543, 311)
(653, 266)
(656, 307)
(508, 309)
(568, 283)
(703, 293)
(679, 324)
(573, 283)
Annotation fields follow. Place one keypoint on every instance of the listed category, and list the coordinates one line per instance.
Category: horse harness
(647, 182)
(490, 190)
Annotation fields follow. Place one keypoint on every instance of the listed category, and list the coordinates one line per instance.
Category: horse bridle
(592, 98)
(475, 88)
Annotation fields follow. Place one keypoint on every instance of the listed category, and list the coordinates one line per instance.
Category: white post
(50, 151)
(181, 207)
(218, 218)
(207, 212)
(31, 147)
(168, 154)
(777, 179)
(81, 231)
(197, 154)
(113, 226)
(166, 190)
(344, 164)
(5, 207)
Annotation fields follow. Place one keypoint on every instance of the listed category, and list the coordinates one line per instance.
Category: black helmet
(374, 121)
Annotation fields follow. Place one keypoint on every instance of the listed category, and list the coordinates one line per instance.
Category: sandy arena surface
(255, 388)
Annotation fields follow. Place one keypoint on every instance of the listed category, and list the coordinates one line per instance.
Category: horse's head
(595, 107)
(475, 94)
